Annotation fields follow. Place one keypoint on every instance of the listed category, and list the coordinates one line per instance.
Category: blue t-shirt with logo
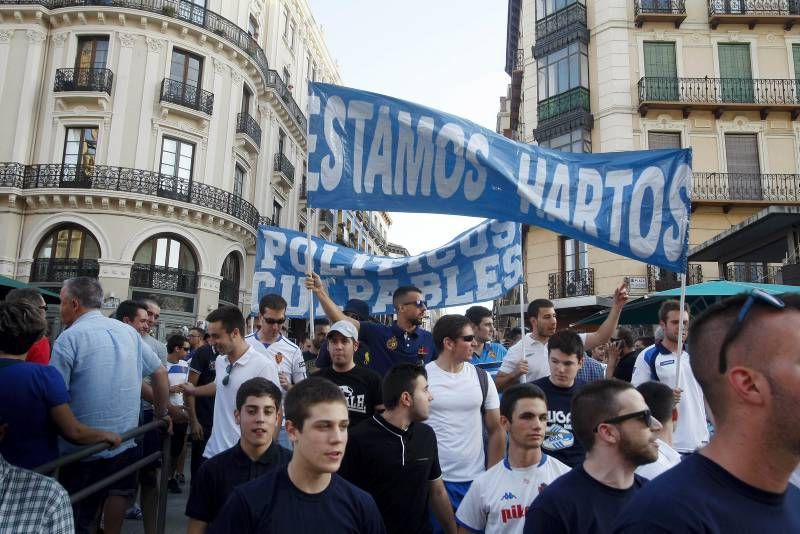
(490, 358)
(559, 441)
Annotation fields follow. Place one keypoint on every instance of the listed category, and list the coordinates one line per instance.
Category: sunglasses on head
(275, 321)
(757, 296)
(417, 303)
(227, 379)
(644, 415)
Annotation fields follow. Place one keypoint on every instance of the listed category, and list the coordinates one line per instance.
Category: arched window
(66, 252)
(166, 264)
(229, 285)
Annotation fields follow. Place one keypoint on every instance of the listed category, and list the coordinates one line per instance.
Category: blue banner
(480, 264)
(371, 152)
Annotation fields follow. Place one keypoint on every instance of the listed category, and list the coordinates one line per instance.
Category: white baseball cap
(344, 327)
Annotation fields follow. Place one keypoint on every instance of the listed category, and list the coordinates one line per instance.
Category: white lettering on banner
(446, 186)
(440, 258)
(359, 112)
(359, 288)
(431, 287)
(297, 252)
(331, 171)
(674, 236)
(486, 275)
(557, 203)
(645, 245)
(359, 263)
(512, 264)
(385, 292)
(451, 274)
(473, 188)
(469, 249)
(379, 162)
(618, 181)
(276, 246)
(502, 234)
(586, 211)
(415, 165)
(325, 262)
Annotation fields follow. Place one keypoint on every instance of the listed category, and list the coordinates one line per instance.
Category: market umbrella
(7, 284)
(644, 310)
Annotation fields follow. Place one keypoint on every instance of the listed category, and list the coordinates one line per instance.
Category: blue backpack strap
(650, 357)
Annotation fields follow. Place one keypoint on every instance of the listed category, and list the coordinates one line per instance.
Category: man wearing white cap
(361, 386)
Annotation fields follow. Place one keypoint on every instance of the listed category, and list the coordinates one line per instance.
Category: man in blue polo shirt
(402, 341)
(488, 354)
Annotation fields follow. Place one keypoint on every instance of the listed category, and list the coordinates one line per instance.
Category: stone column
(207, 294)
(31, 84)
(115, 277)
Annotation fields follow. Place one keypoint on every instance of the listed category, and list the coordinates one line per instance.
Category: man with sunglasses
(659, 362)
(745, 359)
(237, 362)
(402, 341)
(612, 422)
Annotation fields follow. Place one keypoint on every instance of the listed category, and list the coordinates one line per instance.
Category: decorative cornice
(127, 39)
(59, 39)
(154, 45)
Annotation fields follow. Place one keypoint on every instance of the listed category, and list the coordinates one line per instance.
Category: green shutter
(661, 71)
(735, 73)
(796, 56)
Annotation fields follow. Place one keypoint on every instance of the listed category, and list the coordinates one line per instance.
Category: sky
(445, 54)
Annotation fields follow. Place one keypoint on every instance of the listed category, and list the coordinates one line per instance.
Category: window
(287, 77)
(276, 212)
(577, 141)
(563, 70)
(744, 169)
(167, 264)
(281, 141)
(548, 7)
(238, 181)
(166, 251)
(247, 98)
(574, 255)
(661, 71)
(186, 68)
(663, 140)
(735, 72)
(80, 148)
(68, 242)
(229, 285)
(177, 162)
(314, 72)
(252, 27)
(92, 52)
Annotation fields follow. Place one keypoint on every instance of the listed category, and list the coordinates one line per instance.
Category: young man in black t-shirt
(201, 409)
(361, 386)
(306, 496)
(258, 414)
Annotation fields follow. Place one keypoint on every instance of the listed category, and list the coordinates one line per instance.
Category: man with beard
(394, 457)
(614, 425)
(744, 355)
(402, 341)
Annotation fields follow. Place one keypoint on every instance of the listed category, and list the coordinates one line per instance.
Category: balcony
(148, 183)
(229, 291)
(187, 96)
(561, 28)
(566, 284)
(756, 273)
(673, 11)
(85, 80)
(326, 220)
(660, 279)
(722, 188)
(753, 12)
(283, 172)
(555, 106)
(56, 270)
(288, 108)
(516, 87)
(719, 95)
(247, 125)
(164, 278)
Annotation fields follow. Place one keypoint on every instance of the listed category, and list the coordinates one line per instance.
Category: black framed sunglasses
(756, 296)
(644, 415)
(275, 321)
(417, 303)
(469, 339)
(227, 378)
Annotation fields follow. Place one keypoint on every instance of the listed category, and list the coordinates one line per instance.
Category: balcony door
(736, 74)
(744, 169)
(177, 163)
(186, 72)
(661, 71)
(92, 52)
(80, 148)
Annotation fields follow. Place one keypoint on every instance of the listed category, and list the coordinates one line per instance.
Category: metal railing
(560, 20)
(577, 98)
(519, 59)
(757, 273)
(276, 82)
(102, 177)
(753, 7)
(659, 7)
(270, 221)
(187, 95)
(166, 278)
(99, 80)
(660, 279)
(229, 291)
(60, 269)
(284, 166)
(743, 186)
(163, 455)
(326, 217)
(247, 125)
(577, 283)
(719, 90)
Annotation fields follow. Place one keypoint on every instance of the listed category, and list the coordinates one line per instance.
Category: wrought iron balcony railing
(187, 95)
(326, 217)
(229, 291)
(753, 12)
(166, 278)
(101, 177)
(557, 29)
(59, 269)
(274, 80)
(247, 125)
(96, 80)
(577, 98)
(519, 59)
(269, 221)
(719, 186)
(660, 279)
(565, 284)
(659, 11)
(757, 273)
(284, 166)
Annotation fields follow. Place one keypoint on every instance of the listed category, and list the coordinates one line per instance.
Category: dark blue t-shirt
(576, 503)
(698, 495)
(272, 504)
(559, 441)
(27, 393)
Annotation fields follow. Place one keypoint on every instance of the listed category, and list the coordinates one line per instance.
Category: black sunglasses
(756, 296)
(644, 415)
(227, 379)
(417, 303)
(275, 321)
(468, 339)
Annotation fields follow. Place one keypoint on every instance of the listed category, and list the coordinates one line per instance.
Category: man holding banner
(402, 341)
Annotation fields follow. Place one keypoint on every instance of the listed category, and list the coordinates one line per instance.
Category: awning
(7, 284)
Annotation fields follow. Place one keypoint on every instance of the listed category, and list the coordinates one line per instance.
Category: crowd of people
(371, 428)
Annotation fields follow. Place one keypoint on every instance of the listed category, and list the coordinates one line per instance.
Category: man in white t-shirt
(659, 362)
(527, 360)
(460, 408)
(237, 363)
(498, 499)
(178, 374)
(659, 398)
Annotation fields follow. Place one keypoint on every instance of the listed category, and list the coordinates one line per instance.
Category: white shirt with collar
(667, 458)
(225, 432)
(287, 356)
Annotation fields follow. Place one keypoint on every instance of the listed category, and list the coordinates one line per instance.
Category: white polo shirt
(287, 356)
(225, 432)
(535, 352)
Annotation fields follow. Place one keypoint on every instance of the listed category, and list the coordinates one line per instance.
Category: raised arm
(314, 283)
(603, 334)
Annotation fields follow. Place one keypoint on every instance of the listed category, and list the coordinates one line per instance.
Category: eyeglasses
(43, 307)
(417, 303)
(269, 320)
(227, 379)
(644, 415)
(187, 348)
(756, 296)
(468, 339)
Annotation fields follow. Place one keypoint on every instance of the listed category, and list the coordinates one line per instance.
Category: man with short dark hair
(621, 355)
(488, 354)
(498, 499)
(614, 425)
(153, 317)
(393, 456)
(316, 356)
(202, 371)
(566, 357)
(258, 415)
(744, 355)
(40, 351)
(357, 310)
(178, 373)
(659, 399)
(402, 341)
(307, 495)
(643, 342)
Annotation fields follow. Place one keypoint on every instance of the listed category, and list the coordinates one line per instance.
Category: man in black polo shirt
(201, 409)
(258, 414)
(393, 456)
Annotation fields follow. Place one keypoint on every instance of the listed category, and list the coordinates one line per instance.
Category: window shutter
(663, 140)
(742, 154)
